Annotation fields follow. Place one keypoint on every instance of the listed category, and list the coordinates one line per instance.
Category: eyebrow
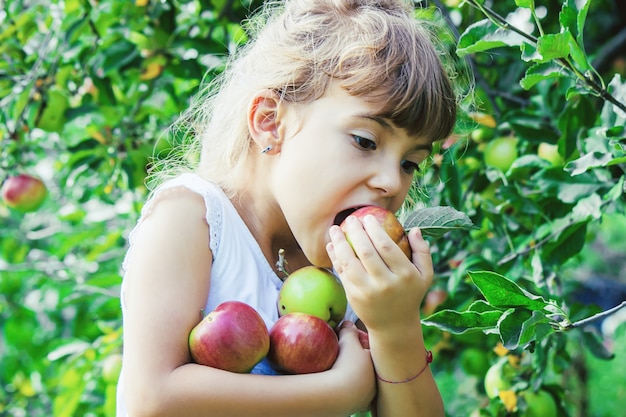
(386, 125)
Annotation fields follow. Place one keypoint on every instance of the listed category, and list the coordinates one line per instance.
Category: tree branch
(595, 317)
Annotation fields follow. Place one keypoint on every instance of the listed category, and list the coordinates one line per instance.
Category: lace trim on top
(213, 214)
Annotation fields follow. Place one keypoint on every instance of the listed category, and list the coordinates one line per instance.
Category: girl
(331, 106)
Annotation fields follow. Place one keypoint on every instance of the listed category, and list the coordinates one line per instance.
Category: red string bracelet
(429, 359)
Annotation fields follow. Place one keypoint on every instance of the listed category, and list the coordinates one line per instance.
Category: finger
(363, 245)
(421, 256)
(348, 334)
(388, 250)
(342, 255)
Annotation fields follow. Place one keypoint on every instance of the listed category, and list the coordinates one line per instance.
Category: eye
(363, 143)
(410, 167)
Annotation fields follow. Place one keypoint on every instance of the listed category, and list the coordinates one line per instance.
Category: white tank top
(240, 270)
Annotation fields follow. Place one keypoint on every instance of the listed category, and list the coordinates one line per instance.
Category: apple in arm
(302, 343)
(314, 291)
(232, 337)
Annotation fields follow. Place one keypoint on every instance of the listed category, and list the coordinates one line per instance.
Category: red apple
(314, 291)
(388, 221)
(232, 337)
(301, 344)
(24, 192)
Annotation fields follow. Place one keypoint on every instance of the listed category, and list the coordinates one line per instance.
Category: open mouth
(339, 218)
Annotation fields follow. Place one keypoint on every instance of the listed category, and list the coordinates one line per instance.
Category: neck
(269, 228)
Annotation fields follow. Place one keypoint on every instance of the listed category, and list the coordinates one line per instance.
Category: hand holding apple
(388, 221)
(232, 337)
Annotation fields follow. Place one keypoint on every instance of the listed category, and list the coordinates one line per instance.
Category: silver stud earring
(267, 149)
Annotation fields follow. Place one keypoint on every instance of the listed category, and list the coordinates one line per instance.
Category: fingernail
(346, 324)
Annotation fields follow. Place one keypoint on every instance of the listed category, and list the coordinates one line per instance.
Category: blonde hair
(373, 47)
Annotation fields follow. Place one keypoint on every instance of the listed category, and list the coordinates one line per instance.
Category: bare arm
(168, 285)
(385, 290)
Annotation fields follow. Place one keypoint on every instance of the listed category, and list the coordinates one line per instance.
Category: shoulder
(176, 205)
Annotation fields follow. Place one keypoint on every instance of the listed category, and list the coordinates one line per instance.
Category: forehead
(369, 108)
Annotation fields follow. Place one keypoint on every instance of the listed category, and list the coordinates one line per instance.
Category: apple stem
(281, 264)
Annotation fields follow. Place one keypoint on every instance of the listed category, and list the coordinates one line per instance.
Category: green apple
(474, 361)
(550, 153)
(482, 134)
(315, 291)
(539, 404)
(501, 152)
(111, 368)
(498, 377)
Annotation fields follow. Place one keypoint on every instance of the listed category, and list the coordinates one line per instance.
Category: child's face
(337, 155)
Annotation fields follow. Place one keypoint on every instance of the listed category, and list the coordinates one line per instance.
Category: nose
(387, 178)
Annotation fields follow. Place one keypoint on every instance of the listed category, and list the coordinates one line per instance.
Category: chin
(322, 260)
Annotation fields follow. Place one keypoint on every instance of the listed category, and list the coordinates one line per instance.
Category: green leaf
(461, 322)
(540, 72)
(480, 306)
(527, 4)
(485, 35)
(593, 342)
(554, 46)
(510, 326)
(437, 221)
(587, 162)
(523, 326)
(501, 292)
(611, 115)
(566, 245)
(572, 17)
(71, 387)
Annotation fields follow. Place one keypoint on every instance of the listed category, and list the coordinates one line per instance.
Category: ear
(264, 120)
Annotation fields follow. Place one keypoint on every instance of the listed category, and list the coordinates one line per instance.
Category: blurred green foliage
(88, 89)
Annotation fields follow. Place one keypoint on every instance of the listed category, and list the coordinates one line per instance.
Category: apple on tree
(232, 337)
(499, 377)
(24, 193)
(314, 291)
(539, 404)
(301, 343)
(111, 368)
(550, 153)
(388, 221)
(501, 152)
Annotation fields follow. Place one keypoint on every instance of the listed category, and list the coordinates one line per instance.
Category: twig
(587, 79)
(595, 317)
(282, 265)
(545, 240)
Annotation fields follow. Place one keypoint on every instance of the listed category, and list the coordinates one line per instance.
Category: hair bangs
(403, 70)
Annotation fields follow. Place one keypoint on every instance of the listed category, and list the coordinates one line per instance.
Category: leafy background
(88, 88)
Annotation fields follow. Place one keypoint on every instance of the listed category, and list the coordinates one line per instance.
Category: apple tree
(87, 90)
(538, 165)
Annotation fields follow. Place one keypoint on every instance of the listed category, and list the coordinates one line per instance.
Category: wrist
(429, 359)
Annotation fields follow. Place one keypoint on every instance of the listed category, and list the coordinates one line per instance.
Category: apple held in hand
(24, 193)
(388, 221)
(301, 344)
(232, 337)
(314, 291)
